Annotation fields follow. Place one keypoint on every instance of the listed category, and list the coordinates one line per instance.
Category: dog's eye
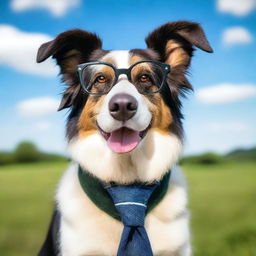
(144, 78)
(101, 79)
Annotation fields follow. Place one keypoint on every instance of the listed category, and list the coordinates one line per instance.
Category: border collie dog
(124, 132)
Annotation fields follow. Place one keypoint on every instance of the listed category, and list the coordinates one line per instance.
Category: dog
(124, 127)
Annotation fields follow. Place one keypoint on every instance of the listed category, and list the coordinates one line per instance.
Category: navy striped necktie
(131, 203)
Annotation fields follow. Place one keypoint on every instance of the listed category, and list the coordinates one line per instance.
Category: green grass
(223, 209)
(26, 199)
(222, 204)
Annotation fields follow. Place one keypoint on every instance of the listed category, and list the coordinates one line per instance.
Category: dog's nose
(123, 106)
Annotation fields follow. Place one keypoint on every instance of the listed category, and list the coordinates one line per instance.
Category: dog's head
(125, 112)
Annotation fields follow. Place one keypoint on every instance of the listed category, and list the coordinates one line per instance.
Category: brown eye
(144, 79)
(101, 79)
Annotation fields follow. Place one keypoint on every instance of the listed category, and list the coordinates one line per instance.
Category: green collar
(100, 197)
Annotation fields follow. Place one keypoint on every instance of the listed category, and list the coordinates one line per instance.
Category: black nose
(123, 106)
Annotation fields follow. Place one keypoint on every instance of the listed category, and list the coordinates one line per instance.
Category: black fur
(70, 48)
(50, 246)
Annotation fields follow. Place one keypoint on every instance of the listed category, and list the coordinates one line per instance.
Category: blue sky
(219, 116)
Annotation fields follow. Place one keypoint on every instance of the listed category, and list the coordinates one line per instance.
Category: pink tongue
(123, 140)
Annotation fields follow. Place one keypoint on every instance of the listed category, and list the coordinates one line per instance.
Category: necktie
(131, 203)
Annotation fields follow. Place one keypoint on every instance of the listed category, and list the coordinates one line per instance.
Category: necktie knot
(132, 213)
(131, 201)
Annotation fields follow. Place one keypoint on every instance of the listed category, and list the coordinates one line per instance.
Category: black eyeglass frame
(121, 71)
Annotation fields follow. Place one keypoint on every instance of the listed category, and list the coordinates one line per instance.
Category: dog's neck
(147, 163)
(95, 190)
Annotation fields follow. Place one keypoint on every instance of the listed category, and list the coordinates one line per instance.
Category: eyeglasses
(97, 78)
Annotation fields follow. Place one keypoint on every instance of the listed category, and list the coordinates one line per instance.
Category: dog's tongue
(123, 140)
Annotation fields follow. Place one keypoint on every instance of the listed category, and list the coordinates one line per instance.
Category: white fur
(148, 162)
(120, 57)
(86, 230)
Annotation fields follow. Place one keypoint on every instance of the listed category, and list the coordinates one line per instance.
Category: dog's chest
(86, 230)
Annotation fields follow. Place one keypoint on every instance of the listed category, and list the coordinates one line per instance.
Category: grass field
(222, 203)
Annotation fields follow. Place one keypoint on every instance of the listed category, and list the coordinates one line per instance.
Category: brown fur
(135, 58)
(87, 119)
(145, 54)
(176, 55)
(161, 115)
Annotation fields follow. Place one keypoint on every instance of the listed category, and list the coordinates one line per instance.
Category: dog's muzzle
(123, 107)
(124, 118)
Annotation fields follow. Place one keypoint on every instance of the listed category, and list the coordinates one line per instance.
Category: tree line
(26, 152)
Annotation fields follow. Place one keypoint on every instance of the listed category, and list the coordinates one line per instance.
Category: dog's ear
(70, 48)
(174, 43)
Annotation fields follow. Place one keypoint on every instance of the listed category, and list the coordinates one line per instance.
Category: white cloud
(222, 135)
(37, 107)
(230, 127)
(43, 126)
(225, 93)
(56, 7)
(236, 35)
(18, 50)
(236, 7)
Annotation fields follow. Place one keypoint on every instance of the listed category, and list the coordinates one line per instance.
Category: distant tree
(26, 151)
(6, 158)
(211, 158)
(204, 159)
(242, 154)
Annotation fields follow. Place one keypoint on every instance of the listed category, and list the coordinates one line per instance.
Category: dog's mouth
(123, 140)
